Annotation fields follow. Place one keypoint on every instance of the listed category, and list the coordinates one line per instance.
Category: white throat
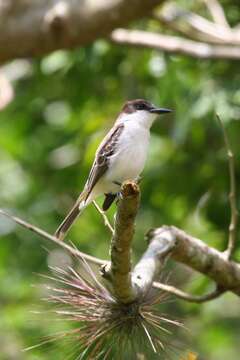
(142, 118)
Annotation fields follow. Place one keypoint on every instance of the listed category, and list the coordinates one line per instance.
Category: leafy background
(63, 105)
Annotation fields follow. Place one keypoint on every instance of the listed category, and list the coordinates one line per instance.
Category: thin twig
(189, 297)
(217, 12)
(232, 239)
(52, 238)
(104, 216)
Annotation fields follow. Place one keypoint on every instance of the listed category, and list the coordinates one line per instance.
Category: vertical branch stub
(119, 271)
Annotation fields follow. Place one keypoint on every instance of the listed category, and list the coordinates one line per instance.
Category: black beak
(160, 110)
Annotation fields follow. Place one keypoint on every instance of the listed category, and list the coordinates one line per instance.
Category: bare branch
(128, 286)
(42, 26)
(232, 195)
(195, 26)
(72, 250)
(200, 257)
(152, 262)
(217, 12)
(52, 238)
(188, 297)
(174, 44)
(188, 250)
(104, 216)
(119, 271)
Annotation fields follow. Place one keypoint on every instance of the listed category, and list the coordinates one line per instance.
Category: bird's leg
(109, 199)
(119, 195)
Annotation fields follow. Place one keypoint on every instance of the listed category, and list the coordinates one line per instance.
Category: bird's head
(141, 111)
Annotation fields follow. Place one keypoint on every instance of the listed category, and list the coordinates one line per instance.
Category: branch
(217, 12)
(47, 236)
(96, 261)
(189, 297)
(196, 27)
(127, 286)
(188, 250)
(174, 44)
(151, 263)
(197, 255)
(232, 195)
(43, 26)
(73, 251)
(119, 271)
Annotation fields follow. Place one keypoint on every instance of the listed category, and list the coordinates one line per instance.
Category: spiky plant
(105, 328)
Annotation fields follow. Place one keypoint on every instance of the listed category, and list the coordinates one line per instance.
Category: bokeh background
(63, 105)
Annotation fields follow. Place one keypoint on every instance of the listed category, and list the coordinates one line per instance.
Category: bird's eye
(140, 106)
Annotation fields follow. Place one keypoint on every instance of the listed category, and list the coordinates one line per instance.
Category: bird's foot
(119, 196)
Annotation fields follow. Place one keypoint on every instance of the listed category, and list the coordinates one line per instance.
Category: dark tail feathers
(67, 222)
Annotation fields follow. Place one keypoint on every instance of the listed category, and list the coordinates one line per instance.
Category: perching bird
(120, 156)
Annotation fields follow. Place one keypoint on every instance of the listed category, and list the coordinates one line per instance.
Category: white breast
(129, 160)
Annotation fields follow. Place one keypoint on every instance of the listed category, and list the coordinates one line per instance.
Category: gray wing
(101, 162)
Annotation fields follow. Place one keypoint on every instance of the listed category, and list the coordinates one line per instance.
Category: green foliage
(63, 105)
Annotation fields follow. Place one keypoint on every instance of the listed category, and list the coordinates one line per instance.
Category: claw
(119, 196)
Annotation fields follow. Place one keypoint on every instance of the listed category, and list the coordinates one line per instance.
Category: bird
(120, 156)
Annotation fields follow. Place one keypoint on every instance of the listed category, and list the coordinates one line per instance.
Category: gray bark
(32, 28)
